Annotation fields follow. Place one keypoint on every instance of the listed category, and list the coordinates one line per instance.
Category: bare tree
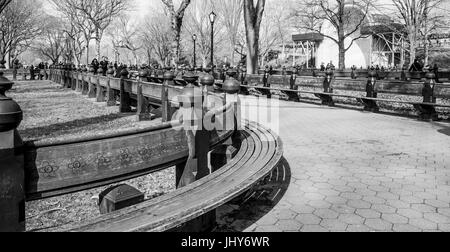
(176, 19)
(80, 24)
(3, 4)
(253, 16)
(75, 43)
(231, 13)
(51, 44)
(346, 17)
(197, 22)
(127, 37)
(156, 38)
(416, 16)
(20, 23)
(99, 13)
(274, 29)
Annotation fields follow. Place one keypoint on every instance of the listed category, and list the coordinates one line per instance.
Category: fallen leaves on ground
(54, 113)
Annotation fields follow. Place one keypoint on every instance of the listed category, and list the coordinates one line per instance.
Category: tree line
(247, 31)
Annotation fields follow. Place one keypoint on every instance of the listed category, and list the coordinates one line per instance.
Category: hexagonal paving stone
(286, 214)
(351, 196)
(314, 196)
(444, 211)
(296, 200)
(359, 204)
(268, 229)
(357, 185)
(423, 224)
(321, 204)
(351, 219)
(437, 218)
(374, 200)
(344, 189)
(409, 213)
(388, 196)
(289, 225)
(437, 203)
(424, 208)
(358, 228)
(398, 204)
(424, 195)
(302, 209)
(329, 192)
(326, 214)
(334, 225)
(343, 209)
(368, 213)
(313, 229)
(336, 200)
(395, 218)
(384, 208)
(378, 188)
(267, 220)
(308, 219)
(378, 224)
(444, 227)
(405, 228)
(411, 200)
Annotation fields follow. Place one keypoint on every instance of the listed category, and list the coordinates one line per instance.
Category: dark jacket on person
(416, 67)
(95, 65)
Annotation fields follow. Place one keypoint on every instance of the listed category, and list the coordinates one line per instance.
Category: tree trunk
(252, 50)
(253, 17)
(412, 49)
(98, 41)
(427, 51)
(175, 47)
(426, 47)
(341, 55)
(341, 45)
(87, 55)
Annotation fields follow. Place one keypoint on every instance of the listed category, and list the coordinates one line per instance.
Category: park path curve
(358, 171)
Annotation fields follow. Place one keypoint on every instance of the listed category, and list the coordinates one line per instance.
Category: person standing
(32, 72)
(95, 65)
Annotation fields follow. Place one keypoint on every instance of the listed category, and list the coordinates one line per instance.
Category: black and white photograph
(248, 118)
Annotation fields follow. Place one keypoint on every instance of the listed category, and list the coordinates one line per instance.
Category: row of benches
(291, 87)
(404, 75)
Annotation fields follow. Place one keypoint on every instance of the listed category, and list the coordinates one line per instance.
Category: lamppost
(194, 38)
(212, 18)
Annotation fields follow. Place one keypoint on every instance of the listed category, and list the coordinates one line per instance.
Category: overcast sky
(143, 7)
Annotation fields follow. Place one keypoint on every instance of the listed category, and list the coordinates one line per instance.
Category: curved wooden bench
(260, 152)
(55, 167)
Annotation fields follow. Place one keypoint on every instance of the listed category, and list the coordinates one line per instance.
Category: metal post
(110, 97)
(143, 111)
(125, 102)
(166, 108)
(12, 174)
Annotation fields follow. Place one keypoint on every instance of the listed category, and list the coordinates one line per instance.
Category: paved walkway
(356, 171)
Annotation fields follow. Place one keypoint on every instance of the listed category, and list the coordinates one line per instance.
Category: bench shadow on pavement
(241, 213)
(445, 131)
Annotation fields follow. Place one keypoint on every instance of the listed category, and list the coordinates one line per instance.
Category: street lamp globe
(194, 37)
(212, 17)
